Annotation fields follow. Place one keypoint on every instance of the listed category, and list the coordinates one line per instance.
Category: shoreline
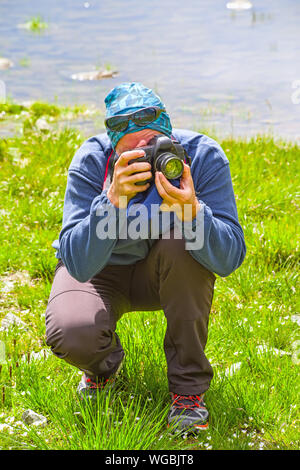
(89, 121)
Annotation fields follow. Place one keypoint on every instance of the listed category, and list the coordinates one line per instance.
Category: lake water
(213, 67)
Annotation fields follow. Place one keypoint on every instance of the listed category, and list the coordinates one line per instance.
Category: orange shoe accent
(201, 426)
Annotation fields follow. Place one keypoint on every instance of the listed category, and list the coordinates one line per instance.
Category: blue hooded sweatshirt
(85, 254)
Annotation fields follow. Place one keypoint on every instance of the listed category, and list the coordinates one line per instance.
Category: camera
(165, 155)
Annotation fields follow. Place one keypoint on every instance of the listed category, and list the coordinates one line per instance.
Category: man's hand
(181, 200)
(123, 182)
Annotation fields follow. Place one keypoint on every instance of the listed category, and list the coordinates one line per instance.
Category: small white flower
(19, 423)
(5, 427)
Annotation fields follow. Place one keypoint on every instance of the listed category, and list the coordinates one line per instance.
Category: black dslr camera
(164, 155)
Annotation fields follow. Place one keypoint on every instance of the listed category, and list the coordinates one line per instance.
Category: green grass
(36, 24)
(38, 109)
(24, 118)
(251, 321)
(24, 62)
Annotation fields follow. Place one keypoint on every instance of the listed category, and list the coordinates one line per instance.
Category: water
(213, 67)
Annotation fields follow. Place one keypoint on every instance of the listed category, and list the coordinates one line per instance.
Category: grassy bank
(253, 340)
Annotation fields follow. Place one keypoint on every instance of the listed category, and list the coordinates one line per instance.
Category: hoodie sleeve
(86, 207)
(223, 248)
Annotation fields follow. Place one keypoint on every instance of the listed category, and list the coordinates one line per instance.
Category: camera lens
(172, 168)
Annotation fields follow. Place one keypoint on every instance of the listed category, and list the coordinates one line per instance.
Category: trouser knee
(78, 340)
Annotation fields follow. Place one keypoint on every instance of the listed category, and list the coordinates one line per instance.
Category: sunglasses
(141, 118)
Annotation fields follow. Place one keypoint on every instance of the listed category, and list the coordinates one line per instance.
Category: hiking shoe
(88, 387)
(188, 413)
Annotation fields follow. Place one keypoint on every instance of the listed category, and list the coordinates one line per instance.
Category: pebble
(32, 418)
(239, 5)
(42, 124)
(296, 319)
(94, 75)
(5, 63)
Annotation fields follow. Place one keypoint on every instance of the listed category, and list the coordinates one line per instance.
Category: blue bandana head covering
(129, 97)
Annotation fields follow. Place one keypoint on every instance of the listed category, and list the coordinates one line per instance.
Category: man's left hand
(181, 200)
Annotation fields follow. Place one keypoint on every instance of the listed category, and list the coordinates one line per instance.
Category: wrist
(118, 201)
(112, 197)
(189, 213)
(196, 208)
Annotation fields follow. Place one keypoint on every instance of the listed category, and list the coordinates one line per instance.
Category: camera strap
(109, 170)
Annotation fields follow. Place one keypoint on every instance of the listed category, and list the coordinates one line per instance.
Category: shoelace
(96, 385)
(194, 399)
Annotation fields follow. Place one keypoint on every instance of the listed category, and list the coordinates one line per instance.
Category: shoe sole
(194, 428)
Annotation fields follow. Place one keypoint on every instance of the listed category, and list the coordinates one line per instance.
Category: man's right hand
(123, 182)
